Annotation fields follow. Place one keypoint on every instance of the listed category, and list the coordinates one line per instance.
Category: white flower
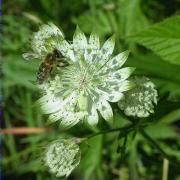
(93, 79)
(140, 100)
(43, 41)
(62, 156)
(88, 84)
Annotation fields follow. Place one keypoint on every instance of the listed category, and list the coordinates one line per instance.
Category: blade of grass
(10, 142)
(157, 146)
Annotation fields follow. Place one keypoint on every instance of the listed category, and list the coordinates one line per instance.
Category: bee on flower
(93, 80)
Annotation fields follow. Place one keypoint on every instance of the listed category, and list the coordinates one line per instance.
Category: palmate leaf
(163, 39)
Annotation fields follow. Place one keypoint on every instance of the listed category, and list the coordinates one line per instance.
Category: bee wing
(62, 62)
(29, 56)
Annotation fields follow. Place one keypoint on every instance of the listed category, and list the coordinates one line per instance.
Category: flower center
(83, 81)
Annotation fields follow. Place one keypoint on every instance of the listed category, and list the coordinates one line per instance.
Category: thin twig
(24, 130)
(127, 129)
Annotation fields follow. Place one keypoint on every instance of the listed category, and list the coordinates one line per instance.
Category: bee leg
(50, 70)
(40, 78)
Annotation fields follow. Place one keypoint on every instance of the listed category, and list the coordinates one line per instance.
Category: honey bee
(47, 65)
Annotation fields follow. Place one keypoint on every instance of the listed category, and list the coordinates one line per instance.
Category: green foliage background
(151, 30)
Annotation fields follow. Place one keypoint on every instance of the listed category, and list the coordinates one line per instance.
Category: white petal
(125, 86)
(105, 110)
(114, 63)
(114, 96)
(71, 118)
(92, 118)
(55, 29)
(108, 47)
(49, 30)
(65, 48)
(71, 55)
(83, 102)
(67, 118)
(71, 100)
(50, 104)
(79, 39)
(105, 53)
(56, 116)
(94, 41)
(62, 46)
(109, 95)
(92, 49)
(121, 74)
(118, 61)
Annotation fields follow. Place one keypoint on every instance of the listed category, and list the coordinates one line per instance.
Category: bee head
(57, 54)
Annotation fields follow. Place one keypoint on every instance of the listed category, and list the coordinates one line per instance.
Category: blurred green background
(155, 53)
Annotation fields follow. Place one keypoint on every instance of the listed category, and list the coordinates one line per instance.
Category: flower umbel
(43, 41)
(62, 156)
(93, 79)
(140, 100)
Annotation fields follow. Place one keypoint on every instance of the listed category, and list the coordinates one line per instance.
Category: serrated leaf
(163, 39)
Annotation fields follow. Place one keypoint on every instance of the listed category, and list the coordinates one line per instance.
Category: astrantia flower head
(94, 79)
(62, 156)
(44, 41)
(140, 100)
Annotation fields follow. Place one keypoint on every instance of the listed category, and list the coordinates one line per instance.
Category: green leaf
(152, 65)
(91, 158)
(173, 151)
(171, 117)
(17, 71)
(128, 21)
(163, 39)
(161, 131)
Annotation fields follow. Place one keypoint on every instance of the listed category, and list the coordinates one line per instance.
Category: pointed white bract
(94, 42)
(140, 100)
(62, 156)
(79, 40)
(92, 117)
(87, 86)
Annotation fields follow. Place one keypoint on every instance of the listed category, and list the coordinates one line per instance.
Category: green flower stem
(127, 129)
(156, 145)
